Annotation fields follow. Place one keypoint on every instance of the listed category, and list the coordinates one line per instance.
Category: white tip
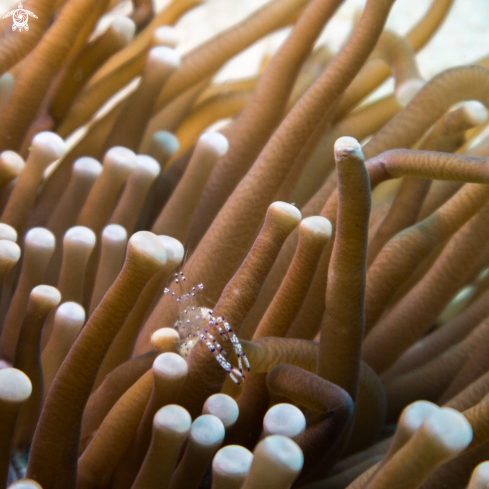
(406, 91)
(114, 233)
(174, 249)
(13, 160)
(69, 313)
(164, 338)
(207, 430)
(87, 166)
(286, 208)
(8, 232)
(284, 419)
(170, 365)
(80, 235)
(167, 142)
(125, 27)
(173, 418)
(413, 416)
(49, 144)
(121, 158)
(282, 452)
(215, 142)
(166, 36)
(47, 293)
(146, 243)
(40, 238)
(450, 428)
(346, 147)
(222, 406)
(163, 55)
(318, 225)
(476, 112)
(232, 460)
(15, 386)
(147, 165)
(480, 477)
(9, 251)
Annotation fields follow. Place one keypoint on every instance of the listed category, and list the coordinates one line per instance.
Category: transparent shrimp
(193, 324)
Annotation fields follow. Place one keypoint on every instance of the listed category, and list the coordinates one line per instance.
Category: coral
(334, 242)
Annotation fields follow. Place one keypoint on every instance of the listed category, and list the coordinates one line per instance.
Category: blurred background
(463, 38)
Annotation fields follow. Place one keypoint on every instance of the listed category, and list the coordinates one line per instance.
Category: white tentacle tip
(476, 112)
(286, 209)
(40, 238)
(9, 251)
(284, 419)
(318, 225)
(214, 141)
(121, 158)
(114, 233)
(282, 453)
(81, 236)
(413, 416)
(47, 293)
(173, 418)
(49, 145)
(69, 313)
(145, 243)
(125, 27)
(174, 249)
(166, 36)
(450, 428)
(87, 166)
(170, 365)
(164, 55)
(232, 460)
(222, 406)
(406, 91)
(207, 430)
(347, 147)
(480, 477)
(7, 232)
(15, 386)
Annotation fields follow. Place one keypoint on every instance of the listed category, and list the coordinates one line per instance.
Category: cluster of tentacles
(363, 307)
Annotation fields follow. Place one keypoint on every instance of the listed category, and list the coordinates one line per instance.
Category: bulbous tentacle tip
(450, 428)
(144, 243)
(125, 27)
(80, 236)
(215, 142)
(318, 225)
(121, 158)
(70, 313)
(9, 251)
(8, 232)
(287, 210)
(47, 146)
(174, 249)
(47, 294)
(40, 238)
(167, 36)
(173, 418)
(414, 415)
(165, 339)
(476, 112)
(87, 166)
(347, 147)
(15, 386)
(232, 461)
(407, 90)
(164, 56)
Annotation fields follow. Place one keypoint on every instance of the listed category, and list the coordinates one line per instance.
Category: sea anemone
(266, 305)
